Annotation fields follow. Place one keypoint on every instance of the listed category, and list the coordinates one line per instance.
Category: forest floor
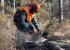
(60, 35)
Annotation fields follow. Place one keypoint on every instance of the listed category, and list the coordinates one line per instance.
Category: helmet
(38, 6)
(34, 7)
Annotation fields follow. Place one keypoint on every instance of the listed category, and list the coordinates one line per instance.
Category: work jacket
(20, 20)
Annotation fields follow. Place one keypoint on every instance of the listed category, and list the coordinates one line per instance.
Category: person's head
(34, 7)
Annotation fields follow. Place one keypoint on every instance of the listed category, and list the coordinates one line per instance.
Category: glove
(39, 34)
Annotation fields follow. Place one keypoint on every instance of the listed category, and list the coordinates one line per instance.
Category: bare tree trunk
(2, 4)
(14, 4)
(21, 2)
(51, 11)
(61, 10)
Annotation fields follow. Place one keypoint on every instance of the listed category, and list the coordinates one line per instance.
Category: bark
(2, 5)
(60, 10)
(14, 4)
(61, 2)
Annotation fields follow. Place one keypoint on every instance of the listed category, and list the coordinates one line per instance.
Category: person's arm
(19, 19)
(35, 23)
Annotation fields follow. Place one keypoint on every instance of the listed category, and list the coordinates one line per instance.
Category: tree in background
(60, 10)
(14, 4)
(2, 6)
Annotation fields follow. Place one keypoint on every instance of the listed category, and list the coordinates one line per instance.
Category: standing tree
(14, 4)
(2, 4)
(60, 10)
(20, 2)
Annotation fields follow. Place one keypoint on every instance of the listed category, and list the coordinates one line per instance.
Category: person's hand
(38, 34)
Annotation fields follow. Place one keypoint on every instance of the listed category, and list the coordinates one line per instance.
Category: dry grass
(7, 30)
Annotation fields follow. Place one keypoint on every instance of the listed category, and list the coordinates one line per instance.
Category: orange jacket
(29, 15)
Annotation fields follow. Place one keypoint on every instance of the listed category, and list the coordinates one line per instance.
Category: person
(26, 21)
